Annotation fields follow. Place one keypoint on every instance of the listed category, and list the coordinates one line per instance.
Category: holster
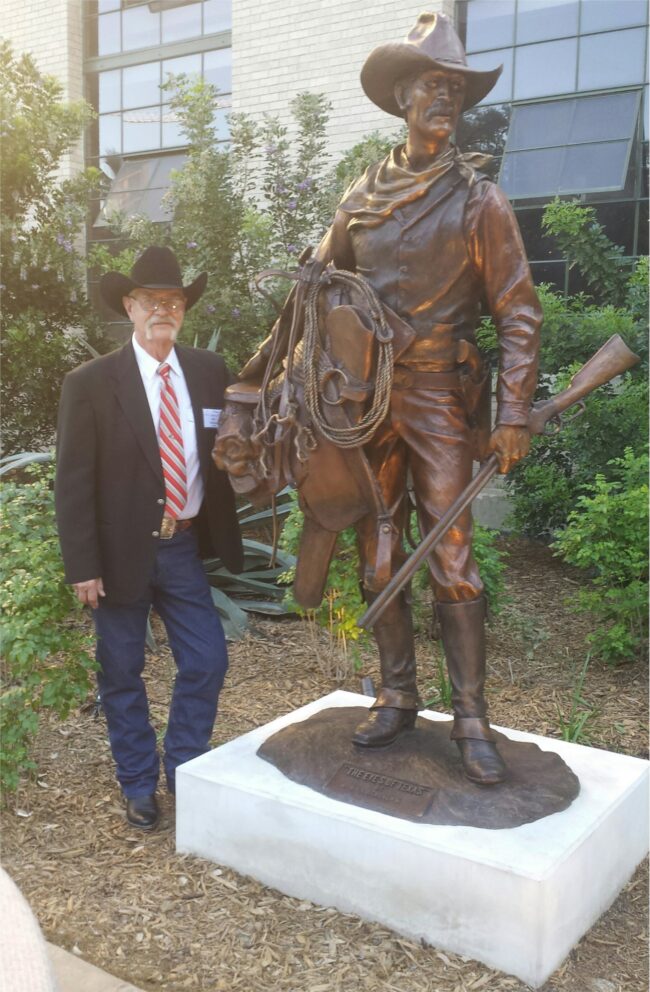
(476, 383)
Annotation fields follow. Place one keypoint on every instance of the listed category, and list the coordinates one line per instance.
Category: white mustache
(148, 331)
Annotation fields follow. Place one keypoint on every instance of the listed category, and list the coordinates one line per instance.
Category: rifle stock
(611, 360)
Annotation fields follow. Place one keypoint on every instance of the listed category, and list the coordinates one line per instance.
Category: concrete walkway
(73, 974)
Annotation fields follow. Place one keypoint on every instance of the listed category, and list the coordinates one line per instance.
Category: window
(139, 187)
(133, 24)
(570, 146)
(134, 112)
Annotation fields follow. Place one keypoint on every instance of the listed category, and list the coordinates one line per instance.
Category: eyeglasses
(151, 306)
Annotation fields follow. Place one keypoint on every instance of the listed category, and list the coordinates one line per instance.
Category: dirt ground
(127, 902)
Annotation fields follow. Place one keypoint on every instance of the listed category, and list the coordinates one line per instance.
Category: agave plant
(256, 589)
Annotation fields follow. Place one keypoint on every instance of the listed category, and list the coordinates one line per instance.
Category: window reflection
(187, 65)
(217, 69)
(541, 70)
(181, 22)
(502, 91)
(491, 24)
(140, 28)
(141, 84)
(598, 16)
(109, 90)
(614, 59)
(108, 37)
(141, 129)
(217, 16)
(594, 167)
(538, 20)
(110, 135)
(484, 129)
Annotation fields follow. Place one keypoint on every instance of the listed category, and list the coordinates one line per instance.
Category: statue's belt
(410, 378)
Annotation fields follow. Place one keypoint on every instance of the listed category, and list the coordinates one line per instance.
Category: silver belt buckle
(167, 528)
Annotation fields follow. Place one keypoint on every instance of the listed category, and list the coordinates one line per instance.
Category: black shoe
(482, 763)
(383, 726)
(143, 812)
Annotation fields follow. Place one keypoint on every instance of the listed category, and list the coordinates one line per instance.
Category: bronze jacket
(434, 260)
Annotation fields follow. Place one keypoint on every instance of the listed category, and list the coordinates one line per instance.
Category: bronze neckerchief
(393, 183)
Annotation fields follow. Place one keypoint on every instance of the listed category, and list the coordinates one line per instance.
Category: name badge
(211, 417)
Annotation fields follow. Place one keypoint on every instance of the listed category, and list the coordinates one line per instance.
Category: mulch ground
(128, 903)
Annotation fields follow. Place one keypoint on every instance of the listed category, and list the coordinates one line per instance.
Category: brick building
(568, 116)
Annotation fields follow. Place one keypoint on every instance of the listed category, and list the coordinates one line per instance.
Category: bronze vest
(418, 262)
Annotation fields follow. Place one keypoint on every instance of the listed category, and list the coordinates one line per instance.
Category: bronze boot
(396, 706)
(462, 626)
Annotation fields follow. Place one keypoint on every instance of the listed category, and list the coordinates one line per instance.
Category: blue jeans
(180, 594)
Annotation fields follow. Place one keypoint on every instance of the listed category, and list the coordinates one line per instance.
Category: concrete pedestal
(516, 899)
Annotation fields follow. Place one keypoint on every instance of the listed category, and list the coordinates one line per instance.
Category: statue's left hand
(509, 445)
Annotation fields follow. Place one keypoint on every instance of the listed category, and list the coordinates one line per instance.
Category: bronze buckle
(167, 528)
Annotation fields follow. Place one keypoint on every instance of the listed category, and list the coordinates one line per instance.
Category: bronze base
(420, 777)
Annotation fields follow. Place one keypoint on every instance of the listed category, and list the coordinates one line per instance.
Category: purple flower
(191, 244)
(271, 149)
(291, 249)
(210, 309)
(236, 312)
(292, 204)
(280, 189)
(306, 184)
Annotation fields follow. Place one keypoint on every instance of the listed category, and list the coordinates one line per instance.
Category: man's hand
(89, 592)
(509, 445)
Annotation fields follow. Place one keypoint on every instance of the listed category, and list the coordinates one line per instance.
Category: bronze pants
(427, 432)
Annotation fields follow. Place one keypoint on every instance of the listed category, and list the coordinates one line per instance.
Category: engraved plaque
(383, 792)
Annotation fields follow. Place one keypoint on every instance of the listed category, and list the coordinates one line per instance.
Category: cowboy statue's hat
(156, 268)
(431, 44)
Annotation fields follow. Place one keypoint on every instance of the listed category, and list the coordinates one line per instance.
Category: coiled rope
(355, 435)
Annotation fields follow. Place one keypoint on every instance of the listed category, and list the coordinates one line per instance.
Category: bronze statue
(428, 237)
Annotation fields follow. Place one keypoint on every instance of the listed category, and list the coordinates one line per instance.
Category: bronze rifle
(611, 360)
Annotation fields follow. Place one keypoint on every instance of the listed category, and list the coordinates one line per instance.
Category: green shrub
(46, 317)
(607, 536)
(342, 603)
(47, 659)
(583, 240)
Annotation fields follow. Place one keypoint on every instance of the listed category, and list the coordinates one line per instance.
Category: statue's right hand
(89, 592)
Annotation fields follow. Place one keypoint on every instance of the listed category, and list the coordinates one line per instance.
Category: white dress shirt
(148, 366)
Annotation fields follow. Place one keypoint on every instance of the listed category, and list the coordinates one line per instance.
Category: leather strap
(472, 727)
(396, 699)
(406, 378)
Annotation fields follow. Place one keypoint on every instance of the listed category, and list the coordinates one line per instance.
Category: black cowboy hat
(431, 44)
(156, 268)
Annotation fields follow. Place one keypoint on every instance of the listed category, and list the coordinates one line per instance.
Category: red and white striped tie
(170, 440)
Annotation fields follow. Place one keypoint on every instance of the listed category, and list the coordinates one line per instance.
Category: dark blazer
(109, 489)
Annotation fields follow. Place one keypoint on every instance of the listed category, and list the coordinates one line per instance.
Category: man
(434, 237)
(137, 499)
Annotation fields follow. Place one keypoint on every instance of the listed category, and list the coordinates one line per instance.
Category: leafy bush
(546, 485)
(269, 195)
(46, 317)
(583, 240)
(607, 536)
(342, 603)
(47, 659)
